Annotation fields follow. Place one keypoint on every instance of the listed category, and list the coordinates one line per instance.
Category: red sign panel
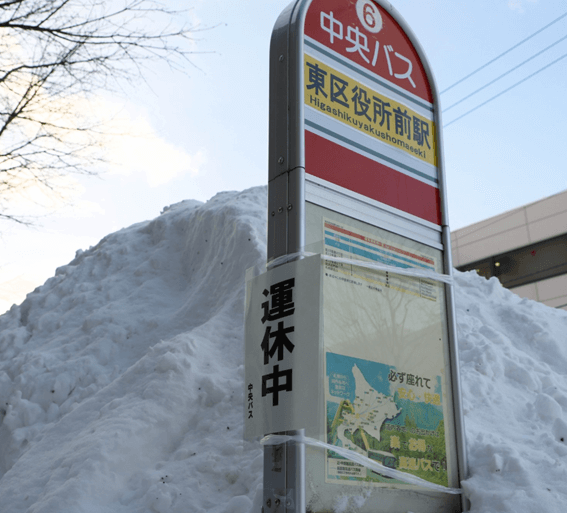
(329, 161)
(366, 34)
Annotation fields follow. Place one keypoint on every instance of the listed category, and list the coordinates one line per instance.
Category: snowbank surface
(121, 378)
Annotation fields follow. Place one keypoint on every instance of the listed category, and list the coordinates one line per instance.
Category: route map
(369, 411)
(347, 242)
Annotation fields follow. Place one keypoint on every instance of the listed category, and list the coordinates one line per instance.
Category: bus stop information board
(341, 345)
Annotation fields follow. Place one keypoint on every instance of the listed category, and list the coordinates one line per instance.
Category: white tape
(360, 459)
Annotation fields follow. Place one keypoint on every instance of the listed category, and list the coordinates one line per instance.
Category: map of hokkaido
(371, 412)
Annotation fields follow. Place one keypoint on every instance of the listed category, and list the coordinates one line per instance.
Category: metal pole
(284, 465)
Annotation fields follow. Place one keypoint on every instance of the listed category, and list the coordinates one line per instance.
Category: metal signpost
(350, 334)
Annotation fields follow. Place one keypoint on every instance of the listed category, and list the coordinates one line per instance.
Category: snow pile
(121, 378)
(513, 356)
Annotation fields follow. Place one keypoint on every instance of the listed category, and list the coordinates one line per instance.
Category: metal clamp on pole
(284, 479)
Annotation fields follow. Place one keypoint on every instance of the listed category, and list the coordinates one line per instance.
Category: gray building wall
(539, 221)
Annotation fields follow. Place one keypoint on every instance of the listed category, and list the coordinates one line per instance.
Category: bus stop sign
(360, 372)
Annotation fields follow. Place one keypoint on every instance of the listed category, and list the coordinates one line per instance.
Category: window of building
(525, 265)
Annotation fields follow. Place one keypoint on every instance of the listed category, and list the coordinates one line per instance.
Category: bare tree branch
(51, 52)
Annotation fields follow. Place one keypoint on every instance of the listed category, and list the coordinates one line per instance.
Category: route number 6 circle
(369, 16)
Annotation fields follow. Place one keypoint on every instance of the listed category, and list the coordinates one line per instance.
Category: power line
(506, 90)
(506, 52)
(504, 74)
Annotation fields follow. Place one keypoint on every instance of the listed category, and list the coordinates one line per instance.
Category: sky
(205, 130)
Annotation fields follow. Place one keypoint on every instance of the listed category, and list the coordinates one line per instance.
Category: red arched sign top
(366, 34)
